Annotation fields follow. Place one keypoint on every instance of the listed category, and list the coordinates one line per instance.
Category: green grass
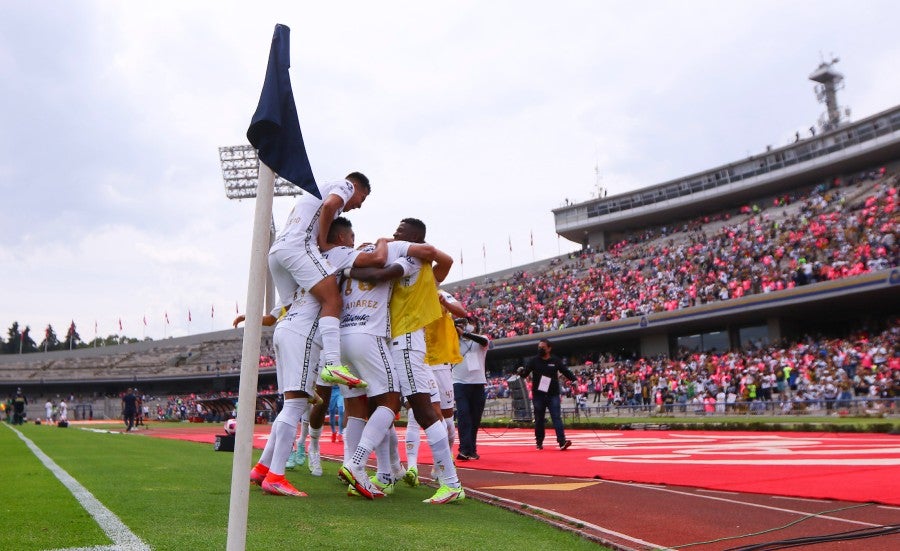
(175, 495)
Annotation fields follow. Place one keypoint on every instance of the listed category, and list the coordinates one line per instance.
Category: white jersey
(416, 339)
(471, 371)
(305, 309)
(302, 226)
(366, 305)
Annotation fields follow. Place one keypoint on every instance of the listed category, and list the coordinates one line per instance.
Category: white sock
(383, 459)
(284, 428)
(394, 450)
(352, 434)
(314, 435)
(304, 431)
(412, 441)
(372, 435)
(443, 458)
(330, 328)
(451, 431)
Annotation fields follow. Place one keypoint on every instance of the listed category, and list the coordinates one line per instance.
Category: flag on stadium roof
(275, 128)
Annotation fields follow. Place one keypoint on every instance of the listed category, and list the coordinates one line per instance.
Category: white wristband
(347, 273)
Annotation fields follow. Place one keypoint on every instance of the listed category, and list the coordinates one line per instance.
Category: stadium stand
(700, 285)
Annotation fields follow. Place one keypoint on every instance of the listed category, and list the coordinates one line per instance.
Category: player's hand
(238, 320)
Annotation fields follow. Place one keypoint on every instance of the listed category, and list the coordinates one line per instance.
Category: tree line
(20, 341)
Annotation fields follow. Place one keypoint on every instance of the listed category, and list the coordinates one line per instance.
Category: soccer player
(365, 334)
(413, 299)
(441, 365)
(297, 264)
(298, 344)
(340, 252)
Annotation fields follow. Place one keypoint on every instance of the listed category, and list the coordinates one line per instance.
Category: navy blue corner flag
(275, 128)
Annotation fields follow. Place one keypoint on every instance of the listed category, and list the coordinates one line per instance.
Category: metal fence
(855, 407)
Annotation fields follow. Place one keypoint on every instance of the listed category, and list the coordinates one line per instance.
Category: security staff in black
(544, 370)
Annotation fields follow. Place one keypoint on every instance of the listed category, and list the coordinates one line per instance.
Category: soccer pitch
(83, 489)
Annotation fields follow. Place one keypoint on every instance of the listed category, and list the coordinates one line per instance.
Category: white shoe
(315, 463)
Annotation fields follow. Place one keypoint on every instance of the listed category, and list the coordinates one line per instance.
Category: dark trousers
(542, 402)
(129, 419)
(469, 409)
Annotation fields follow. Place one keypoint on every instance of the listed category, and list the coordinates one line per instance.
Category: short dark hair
(338, 225)
(415, 223)
(547, 342)
(360, 178)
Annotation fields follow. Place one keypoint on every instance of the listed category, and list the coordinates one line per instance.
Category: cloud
(479, 118)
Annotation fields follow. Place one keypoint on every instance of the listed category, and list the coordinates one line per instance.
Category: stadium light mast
(830, 81)
(240, 171)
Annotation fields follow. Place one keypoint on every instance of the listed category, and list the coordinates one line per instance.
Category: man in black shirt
(544, 370)
(19, 403)
(129, 409)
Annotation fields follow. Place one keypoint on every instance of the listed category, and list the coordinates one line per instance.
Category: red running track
(847, 467)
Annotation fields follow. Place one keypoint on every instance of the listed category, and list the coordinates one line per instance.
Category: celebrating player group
(370, 319)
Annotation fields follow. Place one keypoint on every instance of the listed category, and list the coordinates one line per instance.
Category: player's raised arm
(330, 207)
(442, 264)
(375, 258)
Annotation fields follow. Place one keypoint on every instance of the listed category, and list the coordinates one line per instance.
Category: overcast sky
(477, 117)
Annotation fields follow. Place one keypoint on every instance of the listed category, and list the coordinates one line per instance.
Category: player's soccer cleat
(343, 478)
(411, 477)
(351, 491)
(565, 445)
(281, 488)
(386, 487)
(398, 474)
(296, 458)
(340, 375)
(361, 483)
(315, 463)
(446, 494)
(257, 475)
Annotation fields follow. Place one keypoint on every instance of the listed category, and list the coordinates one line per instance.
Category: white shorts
(297, 269)
(369, 358)
(443, 376)
(415, 376)
(296, 360)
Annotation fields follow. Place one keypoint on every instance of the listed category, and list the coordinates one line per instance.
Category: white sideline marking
(122, 537)
(802, 499)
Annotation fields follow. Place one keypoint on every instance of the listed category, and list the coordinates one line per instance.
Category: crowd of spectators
(814, 373)
(826, 233)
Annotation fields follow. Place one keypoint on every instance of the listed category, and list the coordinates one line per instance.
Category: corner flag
(275, 129)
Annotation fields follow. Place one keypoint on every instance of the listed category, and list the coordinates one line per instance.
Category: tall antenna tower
(830, 81)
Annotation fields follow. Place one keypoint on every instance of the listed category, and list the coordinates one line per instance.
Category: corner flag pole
(275, 132)
(243, 441)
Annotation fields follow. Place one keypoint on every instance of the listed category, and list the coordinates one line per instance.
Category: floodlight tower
(830, 81)
(240, 171)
